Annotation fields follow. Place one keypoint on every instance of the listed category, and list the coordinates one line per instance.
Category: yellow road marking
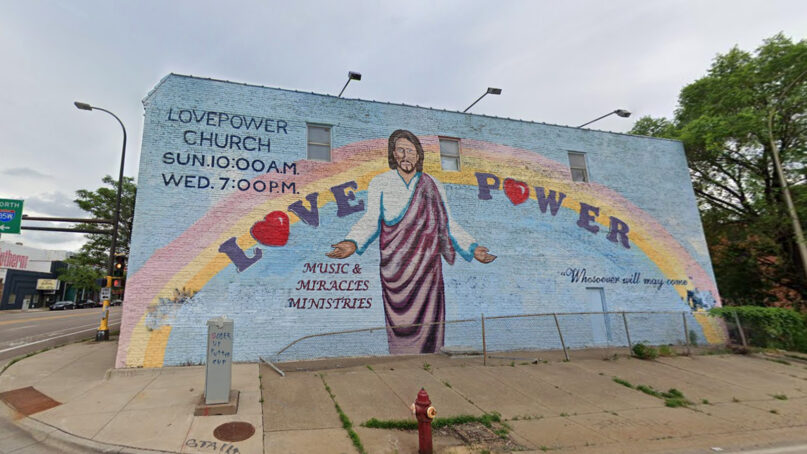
(52, 317)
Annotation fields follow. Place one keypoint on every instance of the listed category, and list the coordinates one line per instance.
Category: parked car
(117, 302)
(62, 305)
(87, 303)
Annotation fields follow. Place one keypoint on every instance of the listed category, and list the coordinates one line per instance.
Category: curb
(66, 442)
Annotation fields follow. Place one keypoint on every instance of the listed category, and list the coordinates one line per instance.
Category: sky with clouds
(560, 63)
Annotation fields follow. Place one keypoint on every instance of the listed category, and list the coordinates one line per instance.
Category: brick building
(244, 189)
(29, 276)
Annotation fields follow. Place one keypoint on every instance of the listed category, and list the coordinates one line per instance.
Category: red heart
(517, 191)
(273, 230)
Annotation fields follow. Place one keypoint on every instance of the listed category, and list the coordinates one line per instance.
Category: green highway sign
(10, 215)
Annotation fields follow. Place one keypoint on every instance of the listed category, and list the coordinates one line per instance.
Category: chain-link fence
(548, 331)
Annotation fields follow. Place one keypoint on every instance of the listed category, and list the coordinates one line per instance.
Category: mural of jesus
(407, 210)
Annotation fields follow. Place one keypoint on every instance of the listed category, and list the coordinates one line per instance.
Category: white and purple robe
(415, 229)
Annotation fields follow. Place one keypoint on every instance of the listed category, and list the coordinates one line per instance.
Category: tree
(722, 119)
(80, 274)
(101, 205)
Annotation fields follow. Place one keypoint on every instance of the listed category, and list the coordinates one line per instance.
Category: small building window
(450, 154)
(577, 164)
(319, 142)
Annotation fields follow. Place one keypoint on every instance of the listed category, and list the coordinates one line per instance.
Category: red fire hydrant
(424, 413)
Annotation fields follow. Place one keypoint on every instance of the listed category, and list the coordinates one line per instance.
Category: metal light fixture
(620, 112)
(491, 91)
(104, 334)
(83, 105)
(351, 75)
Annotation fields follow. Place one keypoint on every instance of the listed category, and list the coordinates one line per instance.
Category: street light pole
(791, 209)
(621, 112)
(351, 75)
(103, 330)
(490, 91)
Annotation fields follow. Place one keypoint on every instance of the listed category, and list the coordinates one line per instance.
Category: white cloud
(561, 63)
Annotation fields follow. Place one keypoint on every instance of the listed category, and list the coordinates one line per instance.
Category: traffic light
(104, 282)
(119, 266)
(118, 283)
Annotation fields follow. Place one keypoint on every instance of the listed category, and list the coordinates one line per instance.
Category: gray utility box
(219, 370)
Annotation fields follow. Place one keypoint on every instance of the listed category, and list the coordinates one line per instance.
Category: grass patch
(427, 367)
(780, 396)
(622, 382)
(486, 420)
(346, 423)
(705, 402)
(448, 385)
(643, 351)
(775, 412)
(665, 350)
(673, 398)
(369, 367)
(399, 424)
(675, 402)
(525, 417)
(649, 390)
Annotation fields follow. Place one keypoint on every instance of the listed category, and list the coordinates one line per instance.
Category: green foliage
(769, 327)
(80, 273)
(400, 424)
(623, 382)
(675, 402)
(780, 396)
(346, 423)
(649, 390)
(643, 351)
(672, 398)
(722, 119)
(665, 350)
(486, 420)
(100, 204)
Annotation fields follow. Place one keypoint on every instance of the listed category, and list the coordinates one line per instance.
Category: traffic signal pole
(103, 329)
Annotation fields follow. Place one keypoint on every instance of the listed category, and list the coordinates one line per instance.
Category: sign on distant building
(10, 215)
(47, 284)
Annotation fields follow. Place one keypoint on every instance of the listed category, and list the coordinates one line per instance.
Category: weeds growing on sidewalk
(486, 420)
(623, 382)
(672, 398)
(346, 423)
(780, 396)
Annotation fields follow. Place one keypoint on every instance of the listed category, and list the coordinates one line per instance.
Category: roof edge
(211, 79)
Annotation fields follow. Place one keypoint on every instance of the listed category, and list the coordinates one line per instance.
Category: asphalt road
(25, 332)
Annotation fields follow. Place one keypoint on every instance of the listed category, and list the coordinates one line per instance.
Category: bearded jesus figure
(407, 211)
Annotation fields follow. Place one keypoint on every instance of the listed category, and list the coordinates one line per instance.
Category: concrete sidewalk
(544, 404)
